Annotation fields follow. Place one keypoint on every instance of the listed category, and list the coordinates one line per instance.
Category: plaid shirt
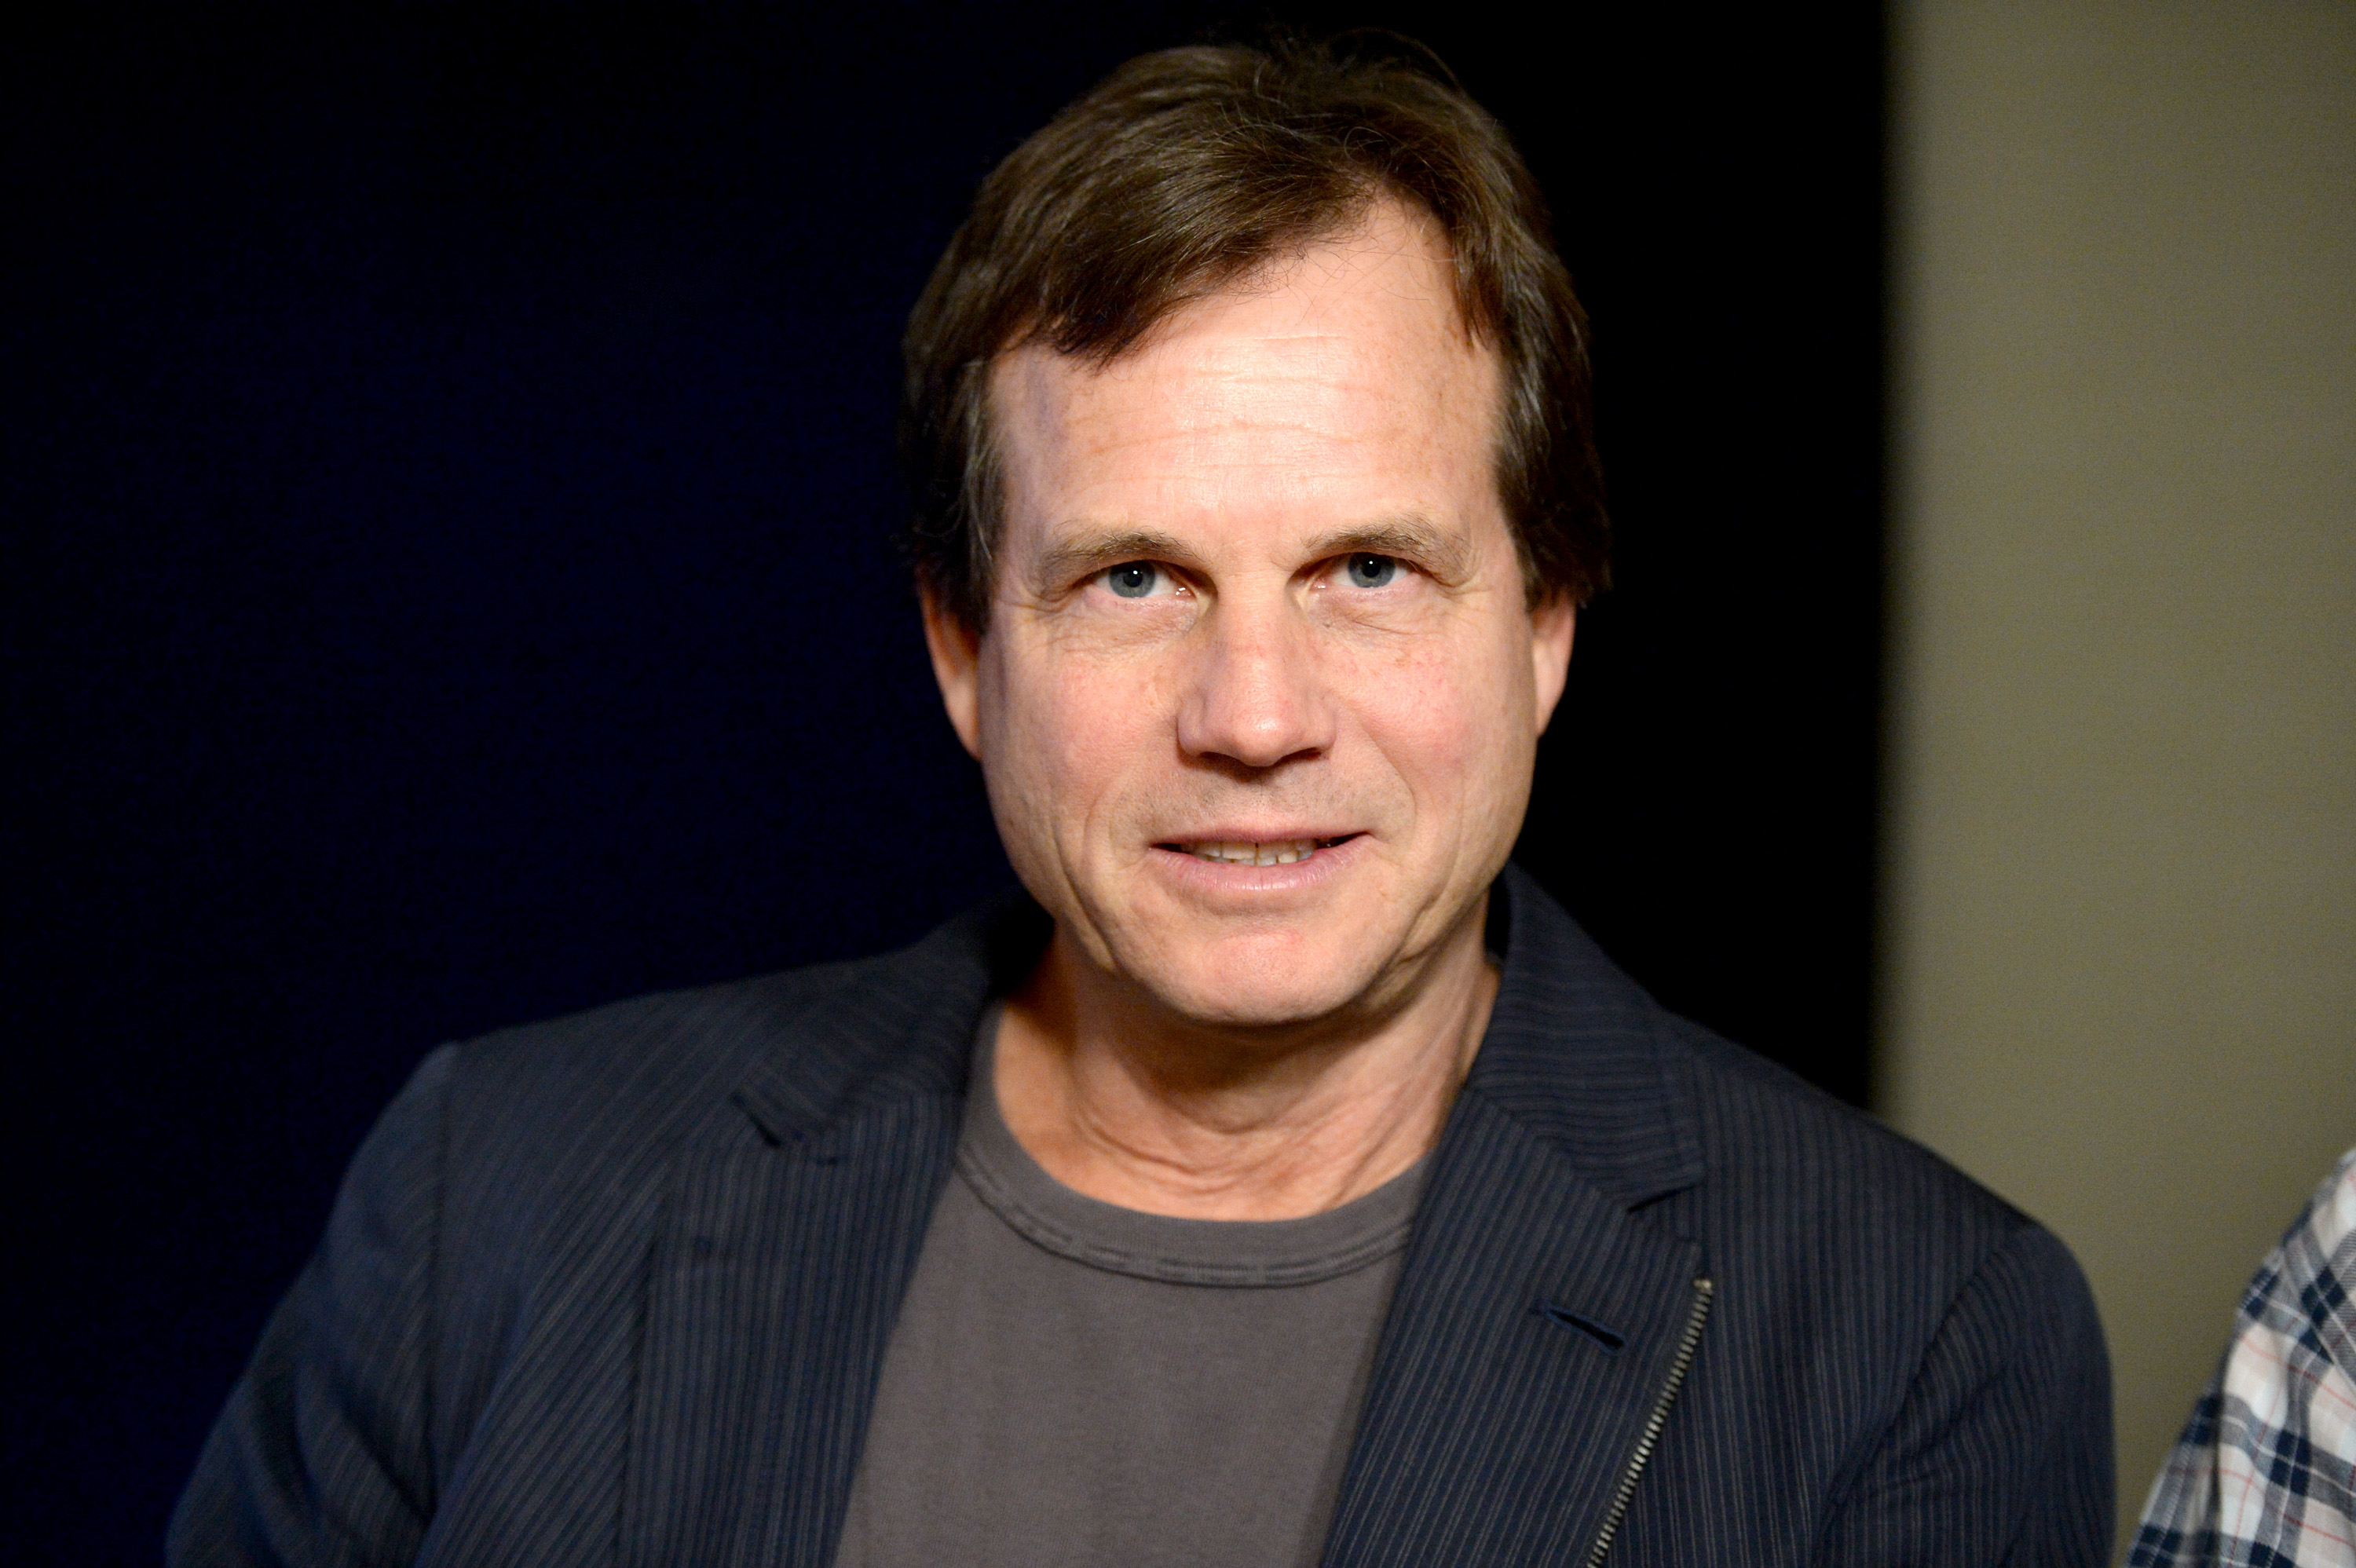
(2266, 1472)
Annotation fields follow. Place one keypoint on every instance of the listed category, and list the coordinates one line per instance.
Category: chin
(1249, 985)
(1273, 1009)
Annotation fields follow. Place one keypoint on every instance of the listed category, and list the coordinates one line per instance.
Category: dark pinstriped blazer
(615, 1289)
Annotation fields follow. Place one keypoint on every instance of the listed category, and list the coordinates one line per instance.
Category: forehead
(1340, 378)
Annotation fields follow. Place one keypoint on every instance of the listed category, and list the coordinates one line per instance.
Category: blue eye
(1133, 580)
(1372, 570)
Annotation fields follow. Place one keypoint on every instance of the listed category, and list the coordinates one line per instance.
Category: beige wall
(2121, 981)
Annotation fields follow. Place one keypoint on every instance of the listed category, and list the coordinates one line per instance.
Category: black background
(449, 581)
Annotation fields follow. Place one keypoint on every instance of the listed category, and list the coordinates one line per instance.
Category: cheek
(1426, 718)
(1454, 723)
(1061, 734)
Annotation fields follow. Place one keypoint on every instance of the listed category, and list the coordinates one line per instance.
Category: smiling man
(1284, 1179)
(1258, 704)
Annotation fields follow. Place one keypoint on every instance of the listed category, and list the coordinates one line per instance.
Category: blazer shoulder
(1774, 1143)
(1838, 1243)
(720, 1024)
(597, 1100)
(591, 1107)
(1659, 1112)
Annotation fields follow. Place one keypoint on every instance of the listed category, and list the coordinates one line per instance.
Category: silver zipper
(1694, 1318)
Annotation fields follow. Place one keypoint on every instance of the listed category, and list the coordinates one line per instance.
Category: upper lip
(1258, 835)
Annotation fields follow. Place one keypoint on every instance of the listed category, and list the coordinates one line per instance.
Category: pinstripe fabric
(617, 1289)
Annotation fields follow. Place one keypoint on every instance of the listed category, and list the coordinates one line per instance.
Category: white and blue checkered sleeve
(2264, 1475)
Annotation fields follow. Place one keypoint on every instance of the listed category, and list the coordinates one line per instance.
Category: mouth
(1257, 852)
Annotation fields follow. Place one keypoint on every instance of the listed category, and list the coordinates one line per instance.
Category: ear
(1553, 620)
(957, 662)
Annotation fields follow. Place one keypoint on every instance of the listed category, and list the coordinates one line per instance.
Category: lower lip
(1197, 873)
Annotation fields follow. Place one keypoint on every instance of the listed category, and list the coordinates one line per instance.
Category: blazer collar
(1535, 1321)
(1574, 1050)
(887, 1029)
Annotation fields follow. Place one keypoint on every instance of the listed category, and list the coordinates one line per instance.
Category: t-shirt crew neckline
(1223, 1253)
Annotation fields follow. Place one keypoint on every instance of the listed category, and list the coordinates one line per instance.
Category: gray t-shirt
(1071, 1382)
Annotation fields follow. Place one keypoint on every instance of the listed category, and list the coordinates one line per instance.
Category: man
(1284, 1180)
(2265, 1474)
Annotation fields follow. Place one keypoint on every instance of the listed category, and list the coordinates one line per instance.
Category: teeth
(1276, 852)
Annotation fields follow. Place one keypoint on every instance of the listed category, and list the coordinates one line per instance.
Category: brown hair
(1187, 169)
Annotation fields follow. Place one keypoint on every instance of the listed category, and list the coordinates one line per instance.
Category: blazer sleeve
(2000, 1451)
(322, 1454)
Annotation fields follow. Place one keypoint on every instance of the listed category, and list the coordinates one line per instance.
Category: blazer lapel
(1536, 1319)
(784, 1256)
(1532, 1334)
(772, 1295)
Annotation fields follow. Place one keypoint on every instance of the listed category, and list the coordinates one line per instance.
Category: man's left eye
(1371, 570)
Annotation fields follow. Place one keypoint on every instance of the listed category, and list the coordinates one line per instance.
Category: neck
(1126, 1103)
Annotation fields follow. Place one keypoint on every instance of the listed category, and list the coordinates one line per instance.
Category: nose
(1256, 697)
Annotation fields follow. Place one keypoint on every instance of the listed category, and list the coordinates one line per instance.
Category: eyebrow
(1091, 552)
(1444, 554)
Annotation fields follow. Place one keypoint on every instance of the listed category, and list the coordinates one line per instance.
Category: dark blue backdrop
(447, 480)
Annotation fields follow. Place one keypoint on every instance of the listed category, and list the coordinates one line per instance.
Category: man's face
(1260, 694)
